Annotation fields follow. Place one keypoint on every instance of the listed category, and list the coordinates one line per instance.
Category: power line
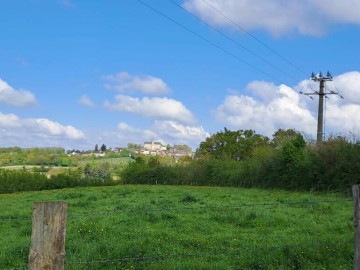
(236, 42)
(303, 86)
(209, 41)
(337, 90)
(254, 37)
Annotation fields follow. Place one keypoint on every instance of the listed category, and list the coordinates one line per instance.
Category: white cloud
(9, 120)
(269, 107)
(343, 115)
(180, 133)
(310, 17)
(147, 84)
(31, 132)
(348, 85)
(137, 134)
(49, 128)
(266, 114)
(86, 101)
(158, 108)
(18, 98)
(343, 118)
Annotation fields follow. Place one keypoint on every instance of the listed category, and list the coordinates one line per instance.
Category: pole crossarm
(322, 79)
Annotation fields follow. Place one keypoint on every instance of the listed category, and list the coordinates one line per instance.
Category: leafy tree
(96, 148)
(103, 148)
(185, 159)
(139, 160)
(291, 150)
(227, 144)
(133, 146)
(100, 172)
(281, 136)
(153, 161)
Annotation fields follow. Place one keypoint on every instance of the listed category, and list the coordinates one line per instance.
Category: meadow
(115, 161)
(184, 227)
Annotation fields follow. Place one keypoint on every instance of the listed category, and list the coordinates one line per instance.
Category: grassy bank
(169, 227)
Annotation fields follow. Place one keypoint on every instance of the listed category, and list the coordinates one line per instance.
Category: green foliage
(228, 158)
(282, 136)
(140, 172)
(47, 156)
(227, 144)
(188, 199)
(103, 148)
(185, 160)
(23, 180)
(287, 162)
(133, 146)
(338, 162)
(10, 150)
(153, 161)
(20, 180)
(97, 171)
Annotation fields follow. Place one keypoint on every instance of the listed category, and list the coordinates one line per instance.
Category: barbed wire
(198, 254)
(148, 210)
(14, 219)
(207, 207)
(204, 254)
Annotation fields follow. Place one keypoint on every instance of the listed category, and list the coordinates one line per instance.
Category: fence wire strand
(203, 254)
(206, 207)
(181, 209)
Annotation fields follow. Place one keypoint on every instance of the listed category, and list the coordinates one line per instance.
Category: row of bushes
(332, 166)
(23, 180)
(294, 165)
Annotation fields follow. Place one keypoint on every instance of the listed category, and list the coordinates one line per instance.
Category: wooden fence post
(48, 236)
(355, 190)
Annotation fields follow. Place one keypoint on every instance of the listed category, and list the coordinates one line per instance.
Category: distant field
(169, 227)
(112, 161)
(52, 170)
(19, 167)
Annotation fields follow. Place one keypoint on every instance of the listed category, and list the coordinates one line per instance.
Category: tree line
(244, 158)
(241, 158)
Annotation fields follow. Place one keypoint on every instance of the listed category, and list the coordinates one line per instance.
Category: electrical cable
(236, 42)
(209, 41)
(255, 38)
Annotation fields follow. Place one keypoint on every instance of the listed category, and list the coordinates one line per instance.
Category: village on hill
(152, 148)
(149, 148)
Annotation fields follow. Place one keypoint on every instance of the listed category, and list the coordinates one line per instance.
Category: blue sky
(76, 73)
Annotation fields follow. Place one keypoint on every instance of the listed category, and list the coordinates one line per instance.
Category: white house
(154, 146)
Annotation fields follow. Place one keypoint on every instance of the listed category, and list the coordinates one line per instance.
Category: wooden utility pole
(356, 193)
(48, 236)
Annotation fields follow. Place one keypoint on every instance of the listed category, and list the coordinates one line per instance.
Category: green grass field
(169, 227)
(122, 161)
